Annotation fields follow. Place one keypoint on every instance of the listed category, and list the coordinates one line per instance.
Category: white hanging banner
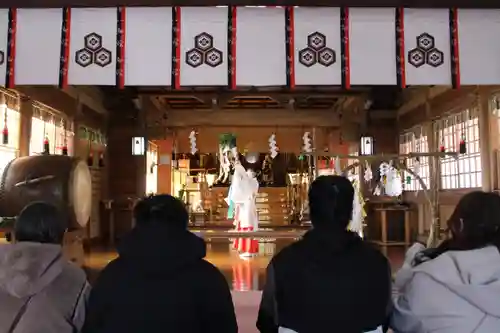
(204, 46)
(4, 52)
(260, 47)
(148, 46)
(275, 46)
(427, 46)
(478, 32)
(92, 51)
(372, 41)
(38, 46)
(317, 41)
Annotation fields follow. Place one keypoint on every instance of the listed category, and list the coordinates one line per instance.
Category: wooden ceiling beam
(90, 97)
(254, 117)
(420, 97)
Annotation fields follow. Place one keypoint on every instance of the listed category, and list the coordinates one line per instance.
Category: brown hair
(475, 222)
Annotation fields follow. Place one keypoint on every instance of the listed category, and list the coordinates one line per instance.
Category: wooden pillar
(127, 173)
(26, 112)
(421, 208)
(164, 170)
(142, 167)
(485, 144)
(434, 168)
(495, 141)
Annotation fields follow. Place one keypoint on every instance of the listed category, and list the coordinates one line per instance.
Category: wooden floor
(245, 276)
(241, 274)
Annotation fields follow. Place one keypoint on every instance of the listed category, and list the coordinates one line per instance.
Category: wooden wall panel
(442, 104)
(289, 139)
(164, 170)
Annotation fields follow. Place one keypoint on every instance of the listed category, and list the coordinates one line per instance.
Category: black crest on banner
(317, 52)
(93, 52)
(204, 52)
(426, 52)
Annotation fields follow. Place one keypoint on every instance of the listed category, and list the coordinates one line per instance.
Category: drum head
(80, 193)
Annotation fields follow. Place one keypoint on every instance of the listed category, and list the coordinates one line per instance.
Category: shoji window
(11, 118)
(464, 172)
(415, 140)
(50, 124)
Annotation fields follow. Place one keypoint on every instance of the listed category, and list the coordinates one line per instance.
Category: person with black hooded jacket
(331, 280)
(160, 281)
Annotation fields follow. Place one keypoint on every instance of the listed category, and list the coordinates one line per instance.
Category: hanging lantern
(90, 158)
(5, 135)
(442, 148)
(366, 145)
(5, 131)
(101, 159)
(462, 147)
(102, 143)
(46, 146)
(138, 146)
(65, 141)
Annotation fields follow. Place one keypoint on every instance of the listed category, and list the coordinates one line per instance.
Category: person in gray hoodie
(454, 288)
(40, 291)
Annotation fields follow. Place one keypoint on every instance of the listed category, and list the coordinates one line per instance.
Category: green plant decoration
(227, 140)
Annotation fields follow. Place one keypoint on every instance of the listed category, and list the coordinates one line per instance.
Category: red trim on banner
(455, 49)
(291, 46)
(345, 41)
(347, 51)
(121, 44)
(177, 84)
(233, 47)
(65, 44)
(400, 35)
(120, 47)
(11, 49)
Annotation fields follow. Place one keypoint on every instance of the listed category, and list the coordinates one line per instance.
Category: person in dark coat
(331, 280)
(160, 281)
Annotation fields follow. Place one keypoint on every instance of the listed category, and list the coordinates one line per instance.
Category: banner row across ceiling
(241, 46)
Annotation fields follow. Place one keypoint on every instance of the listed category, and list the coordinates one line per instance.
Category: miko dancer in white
(244, 189)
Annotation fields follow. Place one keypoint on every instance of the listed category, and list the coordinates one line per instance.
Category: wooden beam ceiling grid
(248, 100)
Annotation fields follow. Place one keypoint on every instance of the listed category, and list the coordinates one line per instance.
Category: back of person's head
(161, 209)
(331, 202)
(475, 222)
(40, 222)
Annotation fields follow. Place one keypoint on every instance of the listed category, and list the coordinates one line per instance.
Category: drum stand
(131, 204)
(108, 206)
